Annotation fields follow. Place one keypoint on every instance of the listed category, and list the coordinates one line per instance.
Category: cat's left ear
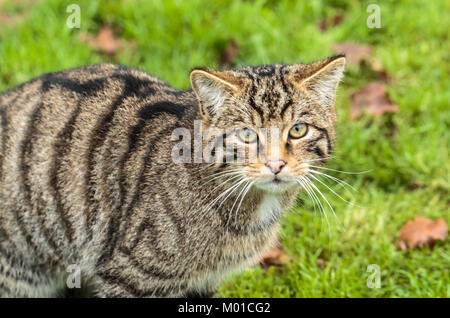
(321, 78)
(214, 89)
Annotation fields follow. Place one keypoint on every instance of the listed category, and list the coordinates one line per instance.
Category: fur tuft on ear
(322, 78)
(212, 90)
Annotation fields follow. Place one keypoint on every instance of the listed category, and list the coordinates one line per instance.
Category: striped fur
(86, 178)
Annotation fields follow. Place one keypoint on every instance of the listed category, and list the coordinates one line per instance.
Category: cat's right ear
(213, 89)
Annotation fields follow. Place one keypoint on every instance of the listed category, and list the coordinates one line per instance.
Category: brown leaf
(324, 24)
(105, 41)
(420, 232)
(229, 54)
(355, 53)
(275, 256)
(8, 20)
(321, 263)
(373, 100)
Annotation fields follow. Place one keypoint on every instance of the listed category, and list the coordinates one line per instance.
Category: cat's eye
(247, 135)
(298, 131)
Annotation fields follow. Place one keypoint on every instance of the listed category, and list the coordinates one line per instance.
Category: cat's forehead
(268, 91)
(263, 72)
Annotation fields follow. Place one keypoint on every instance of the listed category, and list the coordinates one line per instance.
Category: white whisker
(321, 194)
(342, 182)
(340, 171)
(334, 192)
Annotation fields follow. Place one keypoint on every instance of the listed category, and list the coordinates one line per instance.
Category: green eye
(298, 131)
(247, 135)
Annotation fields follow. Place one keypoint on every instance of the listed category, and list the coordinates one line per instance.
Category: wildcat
(87, 178)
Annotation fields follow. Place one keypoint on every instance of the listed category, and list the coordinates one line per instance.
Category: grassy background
(407, 152)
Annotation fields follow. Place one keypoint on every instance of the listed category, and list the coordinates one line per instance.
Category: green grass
(410, 168)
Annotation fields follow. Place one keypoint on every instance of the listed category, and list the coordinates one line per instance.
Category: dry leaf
(229, 54)
(321, 263)
(8, 20)
(275, 256)
(373, 100)
(105, 41)
(420, 232)
(324, 24)
(354, 53)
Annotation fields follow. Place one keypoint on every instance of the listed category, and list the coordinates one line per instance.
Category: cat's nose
(275, 165)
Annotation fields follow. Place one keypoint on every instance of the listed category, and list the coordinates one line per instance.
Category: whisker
(340, 171)
(334, 192)
(309, 184)
(235, 201)
(223, 183)
(301, 182)
(322, 195)
(342, 182)
(320, 159)
(245, 107)
(245, 193)
(233, 187)
(222, 173)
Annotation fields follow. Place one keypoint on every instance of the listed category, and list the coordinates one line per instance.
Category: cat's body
(87, 179)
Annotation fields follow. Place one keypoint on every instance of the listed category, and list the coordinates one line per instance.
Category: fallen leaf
(321, 263)
(383, 76)
(105, 41)
(354, 53)
(229, 54)
(324, 24)
(414, 185)
(420, 232)
(372, 99)
(8, 20)
(275, 256)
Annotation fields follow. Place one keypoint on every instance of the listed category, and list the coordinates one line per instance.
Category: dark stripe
(289, 147)
(286, 90)
(265, 70)
(150, 270)
(4, 124)
(96, 141)
(325, 132)
(217, 141)
(313, 147)
(146, 114)
(317, 151)
(132, 288)
(5, 291)
(141, 87)
(148, 225)
(89, 87)
(288, 104)
(62, 147)
(27, 152)
(253, 104)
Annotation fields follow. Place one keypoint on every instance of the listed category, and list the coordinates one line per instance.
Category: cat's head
(282, 113)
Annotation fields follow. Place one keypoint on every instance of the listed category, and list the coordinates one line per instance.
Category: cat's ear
(213, 90)
(321, 78)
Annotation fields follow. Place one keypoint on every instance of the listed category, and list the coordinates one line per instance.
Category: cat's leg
(19, 279)
(206, 293)
(118, 284)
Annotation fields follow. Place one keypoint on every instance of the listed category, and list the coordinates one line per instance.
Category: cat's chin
(276, 186)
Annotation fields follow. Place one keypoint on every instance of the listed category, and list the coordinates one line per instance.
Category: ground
(406, 153)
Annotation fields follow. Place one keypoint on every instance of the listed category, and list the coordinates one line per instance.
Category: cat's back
(66, 140)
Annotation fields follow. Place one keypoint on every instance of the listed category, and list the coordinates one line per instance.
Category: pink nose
(275, 165)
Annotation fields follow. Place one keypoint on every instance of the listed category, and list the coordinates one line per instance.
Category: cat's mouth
(275, 184)
(277, 180)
